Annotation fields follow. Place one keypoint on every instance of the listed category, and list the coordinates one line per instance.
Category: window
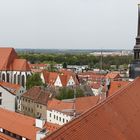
(50, 114)
(0, 101)
(63, 120)
(29, 101)
(37, 105)
(66, 120)
(0, 94)
(31, 110)
(59, 118)
(54, 116)
(40, 106)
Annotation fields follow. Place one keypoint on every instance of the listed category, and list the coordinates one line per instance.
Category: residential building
(13, 69)
(34, 102)
(59, 79)
(115, 118)
(15, 126)
(113, 76)
(61, 112)
(10, 96)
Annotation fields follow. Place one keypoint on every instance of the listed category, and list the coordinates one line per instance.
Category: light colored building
(61, 112)
(34, 102)
(10, 95)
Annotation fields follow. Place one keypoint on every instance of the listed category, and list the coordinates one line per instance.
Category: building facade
(13, 69)
(135, 65)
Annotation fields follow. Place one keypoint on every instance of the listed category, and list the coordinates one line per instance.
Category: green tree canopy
(68, 93)
(34, 80)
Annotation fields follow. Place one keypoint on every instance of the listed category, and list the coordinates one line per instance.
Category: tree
(34, 80)
(68, 93)
(65, 65)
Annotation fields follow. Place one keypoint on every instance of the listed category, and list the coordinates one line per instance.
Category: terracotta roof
(95, 85)
(38, 94)
(116, 85)
(50, 77)
(113, 75)
(10, 61)
(116, 118)
(18, 124)
(51, 127)
(81, 104)
(11, 87)
(20, 65)
(5, 137)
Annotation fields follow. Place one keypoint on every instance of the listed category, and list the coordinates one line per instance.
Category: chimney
(39, 123)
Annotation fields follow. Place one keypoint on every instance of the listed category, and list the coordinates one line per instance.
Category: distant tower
(135, 65)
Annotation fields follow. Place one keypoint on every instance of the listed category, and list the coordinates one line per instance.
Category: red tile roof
(38, 94)
(11, 87)
(113, 75)
(116, 118)
(81, 104)
(18, 124)
(10, 61)
(50, 77)
(116, 85)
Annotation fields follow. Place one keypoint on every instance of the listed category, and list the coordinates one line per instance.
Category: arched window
(23, 80)
(3, 77)
(14, 78)
(18, 79)
(8, 77)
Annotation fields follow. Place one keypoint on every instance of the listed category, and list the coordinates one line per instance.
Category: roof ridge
(92, 109)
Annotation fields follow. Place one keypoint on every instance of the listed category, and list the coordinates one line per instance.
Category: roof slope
(81, 104)
(38, 94)
(116, 118)
(18, 124)
(116, 85)
(9, 61)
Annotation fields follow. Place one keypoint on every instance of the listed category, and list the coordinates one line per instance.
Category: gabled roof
(116, 85)
(37, 94)
(10, 61)
(113, 75)
(20, 65)
(116, 118)
(13, 88)
(7, 56)
(81, 104)
(50, 77)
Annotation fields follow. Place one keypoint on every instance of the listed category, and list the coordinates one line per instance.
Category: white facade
(95, 91)
(71, 82)
(15, 77)
(58, 82)
(57, 117)
(7, 99)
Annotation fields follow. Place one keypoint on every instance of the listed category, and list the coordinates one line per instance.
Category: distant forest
(78, 59)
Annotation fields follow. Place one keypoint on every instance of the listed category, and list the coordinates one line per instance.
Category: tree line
(78, 59)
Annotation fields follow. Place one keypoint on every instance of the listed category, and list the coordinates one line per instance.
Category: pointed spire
(138, 20)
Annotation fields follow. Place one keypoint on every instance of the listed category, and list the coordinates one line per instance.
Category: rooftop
(116, 118)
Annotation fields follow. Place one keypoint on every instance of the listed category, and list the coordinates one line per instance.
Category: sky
(68, 24)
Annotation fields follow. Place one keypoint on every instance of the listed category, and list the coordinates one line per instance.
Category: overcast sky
(68, 24)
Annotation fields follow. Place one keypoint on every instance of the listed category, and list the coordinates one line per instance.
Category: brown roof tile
(38, 94)
(116, 118)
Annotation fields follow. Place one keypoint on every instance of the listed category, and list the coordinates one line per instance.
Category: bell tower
(135, 65)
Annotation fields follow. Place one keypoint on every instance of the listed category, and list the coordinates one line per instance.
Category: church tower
(135, 65)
